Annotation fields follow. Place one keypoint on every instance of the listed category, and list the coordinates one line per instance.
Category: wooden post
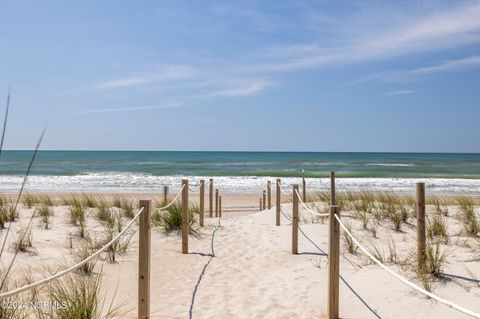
(260, 204)
(264, 200)
(333, 264)
(144, 260)
(210, 198)
(220, 206)
(202, 202)
(185, 216)
(295, 220)
(277, 207)
(333, 200)
(216, 202)
(165, 193)
(304, 188)
(421, 251)
(269, 194)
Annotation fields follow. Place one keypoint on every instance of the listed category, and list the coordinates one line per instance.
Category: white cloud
(120, 83)
(244, 90)
(398, 92)
(464, 63)
(129, 109)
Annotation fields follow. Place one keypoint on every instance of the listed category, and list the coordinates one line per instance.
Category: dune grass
(467, 216)
(44, 212)
(170, 220)
(77, 212)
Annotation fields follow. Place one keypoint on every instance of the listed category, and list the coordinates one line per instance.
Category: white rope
(284, 192)
(72, 268)
(174, 200)
(308, 209)
(405, 281)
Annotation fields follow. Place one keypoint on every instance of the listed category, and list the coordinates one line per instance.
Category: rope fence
(403, 279)
(144, 217)
(334, 245)
(73, 267)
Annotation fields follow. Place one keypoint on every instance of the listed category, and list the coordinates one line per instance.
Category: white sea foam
(136, 182)
(391, 164)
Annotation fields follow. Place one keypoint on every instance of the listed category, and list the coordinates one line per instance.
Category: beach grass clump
(170, 220)
(467, 216)
(46, 199)
(351, 247)
(364, 207)
(24, 241)
(439, 206)
(77, 213)
(103, 213)
(29, 200)
(436, 259)
(121, 245)
(394, 214)
(44, 212)
(128, 208)
(437, 228)
(117, 201)
(78, 296)
(8, 212)
(83, 252)
(90, 200)
(13, 310)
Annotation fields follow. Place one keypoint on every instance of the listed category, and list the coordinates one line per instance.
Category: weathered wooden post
(421, 250)
(304, 187)
(220, 206)
(264, 200)
(295, 220)
(185, 216)
(216, 202)
(202, 202)
(210, 198)
(269, 194)
(333, 255)
(165, 193)
(144, 260)
(260, 204)
(277, 207)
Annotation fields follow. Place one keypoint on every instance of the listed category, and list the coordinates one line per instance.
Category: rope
(174, 200)
(71, 268)
(405, 281)
(308, 209)
(284, 192)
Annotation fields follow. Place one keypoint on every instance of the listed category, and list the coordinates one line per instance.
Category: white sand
(254, 274)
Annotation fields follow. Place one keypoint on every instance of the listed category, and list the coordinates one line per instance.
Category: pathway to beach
(254, 275)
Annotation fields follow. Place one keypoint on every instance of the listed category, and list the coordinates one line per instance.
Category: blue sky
(243, 75)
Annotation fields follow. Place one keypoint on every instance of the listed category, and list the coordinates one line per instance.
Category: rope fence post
(277, 207)
(220, 206)
(210, 198)
(216, 202)
(260, 204)
(185, 216)
(421, 251)
(202, 202)
(333, 264)
(165, 193)
(333, 255)
(269, 194)
(144, 239)
(264, 200)
(295, 220)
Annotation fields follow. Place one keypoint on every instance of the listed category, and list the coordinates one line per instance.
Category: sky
(388, 76)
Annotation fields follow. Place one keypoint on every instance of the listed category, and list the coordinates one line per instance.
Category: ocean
(244, 172)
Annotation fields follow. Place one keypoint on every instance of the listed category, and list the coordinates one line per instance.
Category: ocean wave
(141, 182)
(391, 164)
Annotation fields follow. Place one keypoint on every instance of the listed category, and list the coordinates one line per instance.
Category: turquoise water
(283, 164)
(148, 171)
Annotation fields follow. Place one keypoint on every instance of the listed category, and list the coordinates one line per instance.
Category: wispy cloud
(473, 61)
(398, 92)
(244, 90)
(129, 109)
(119, 83)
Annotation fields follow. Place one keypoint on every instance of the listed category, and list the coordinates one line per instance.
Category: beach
(247, 268)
